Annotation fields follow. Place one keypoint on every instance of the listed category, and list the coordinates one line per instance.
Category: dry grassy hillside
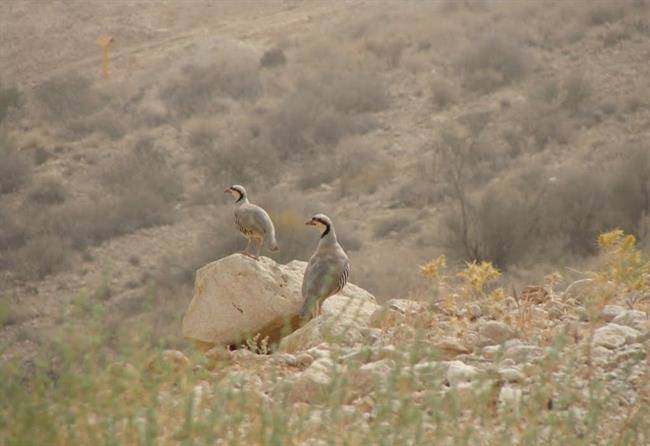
(513, 132)
(464, 150)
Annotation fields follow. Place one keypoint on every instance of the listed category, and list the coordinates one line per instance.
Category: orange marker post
(105, 42)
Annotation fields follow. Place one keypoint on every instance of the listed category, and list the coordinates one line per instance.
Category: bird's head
(237, 191)
(322, 222)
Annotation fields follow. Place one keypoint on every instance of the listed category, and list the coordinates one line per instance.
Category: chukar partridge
(328, 269)
(253, 222)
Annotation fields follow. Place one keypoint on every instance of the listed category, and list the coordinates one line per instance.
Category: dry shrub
(15, 169)
(240, 159)
(69, 96)
(48, 190)
(354, 91)
(492, 62)
(273, 57)
(10, 97)
(538, 216)
(361, 169)
(388, 49)
(141, 170)
(605, 12)
(577, 90)
(107, 122)
(201, 89)
(395, 224)
(443, 93)
(41, 256)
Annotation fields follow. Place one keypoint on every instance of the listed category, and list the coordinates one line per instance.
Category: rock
(473, 310)
(459, 372)
(406, 306)
(633, 318)
(614, 336)
(370, 374)
(450, 347)
(511, 374)
(237, 297)
(304, 359)
(342, 320)
(510, 396)
(609, 312)
(219, 354)
(385, 317)
(494, 332)
(313, 381)
(520, 352)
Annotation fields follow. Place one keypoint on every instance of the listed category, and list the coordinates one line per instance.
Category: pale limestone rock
(406, 306)
(614, 336)
(313, 381)
(494, 332)
(609, 312)
(450, 347)
(342, 321)
(459, 372)
(237, 297)
(633, 318)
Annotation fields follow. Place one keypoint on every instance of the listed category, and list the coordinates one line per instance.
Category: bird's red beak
(226, 190)
(310, 223)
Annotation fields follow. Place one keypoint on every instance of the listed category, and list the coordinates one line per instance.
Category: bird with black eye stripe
(327, 271)
(253, 222)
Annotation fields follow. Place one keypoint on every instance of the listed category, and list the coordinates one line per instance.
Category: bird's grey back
(253, 219)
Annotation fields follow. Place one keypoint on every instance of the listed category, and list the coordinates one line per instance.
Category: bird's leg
(258, 246)
(317, 308)
(245, 251)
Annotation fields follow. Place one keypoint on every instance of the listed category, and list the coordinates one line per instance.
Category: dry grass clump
(202, 88)
(48, 190)
(273, 57)
(10, 97)
(492, 62)
(443, 93)
(15, 169)
(70, 96)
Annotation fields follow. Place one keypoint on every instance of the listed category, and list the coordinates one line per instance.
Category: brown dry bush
(443, 93)
(493, 62)
(143, 169)
(69, 96)
(273, 57)
(10, 97)
(15, 169)
(42, 255)
(48, 190)
(201, 89)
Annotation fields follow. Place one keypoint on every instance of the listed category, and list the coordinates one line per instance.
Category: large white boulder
(237, 297)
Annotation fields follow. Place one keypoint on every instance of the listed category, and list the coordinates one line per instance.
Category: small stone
(609, 312)
(304, 359)
(633, 318)
(511, 374)
(494, 332)
(490, 352)
(523, 352)
(474, 310)
(459, 372)
(450, 347)
(614, 336)
(314, 380)
(510, 396)
(406, 306)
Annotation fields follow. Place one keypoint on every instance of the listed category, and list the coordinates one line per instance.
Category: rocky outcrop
(237, 297)
(344, 320)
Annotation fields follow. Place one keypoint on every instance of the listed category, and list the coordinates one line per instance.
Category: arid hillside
(512, 132)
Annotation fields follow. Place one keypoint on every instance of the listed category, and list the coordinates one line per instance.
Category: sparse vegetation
(15, 170)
